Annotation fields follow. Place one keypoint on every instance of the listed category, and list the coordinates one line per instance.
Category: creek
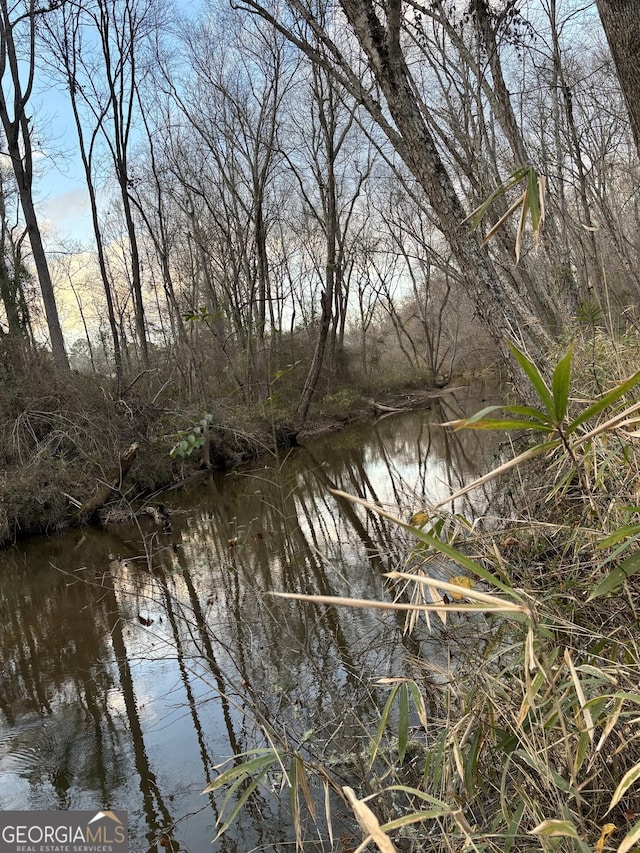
(137, 658)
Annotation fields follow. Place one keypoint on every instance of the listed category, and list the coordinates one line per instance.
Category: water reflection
(136, 659)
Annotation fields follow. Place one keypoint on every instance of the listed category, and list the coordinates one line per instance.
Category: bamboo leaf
(478, 213)
(251, 787)
(556, 829)
(422, 795)
(617, 576)
(514, 825)
(626, 782)
(384, 719)
(495, 423)
(478, 415)
(618, 535)
(536, 380)
(369, 822)
(631, 838)
(247, 768)
(528, 411)
(505, 216)
(521, 223)
(560, 385)
(301, 777)
(472, 566)
(533, 195)
(605, 401)
(403, 721)
(414, 817)
(418, 701)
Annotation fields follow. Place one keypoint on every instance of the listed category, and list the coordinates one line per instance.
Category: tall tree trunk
(417, 147)
(621, 22)
(18, 136)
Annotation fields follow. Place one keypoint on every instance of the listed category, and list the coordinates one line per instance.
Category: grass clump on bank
(531, 741)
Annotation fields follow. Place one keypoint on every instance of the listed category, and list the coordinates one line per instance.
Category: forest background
(279, 198)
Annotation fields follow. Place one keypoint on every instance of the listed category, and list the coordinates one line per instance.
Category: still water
(136, 659)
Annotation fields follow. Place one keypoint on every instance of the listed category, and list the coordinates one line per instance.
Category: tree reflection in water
(99, 709)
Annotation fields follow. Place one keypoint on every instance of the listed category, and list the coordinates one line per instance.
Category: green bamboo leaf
(536, 380)
(466, 562)
(605, 401)
(477, 215)
(494, 423)
(560, 385)
(247, 768)
(480, 415)
(384, 719)
(528, 411)
(617, 576)
(626, 782)
(514, 825)
(532, 196)
(521, 223)
(618, 535)
(403, 721)
(251, 787)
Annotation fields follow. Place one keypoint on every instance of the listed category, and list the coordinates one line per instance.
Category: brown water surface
(136, 659)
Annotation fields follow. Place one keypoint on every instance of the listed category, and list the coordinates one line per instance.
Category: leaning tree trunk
(503, 313)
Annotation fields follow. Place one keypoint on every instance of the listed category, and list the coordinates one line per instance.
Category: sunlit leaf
(461, 581)
(626, 782)
(607, 830)
(630, 839)
(556, 829)
(369, 822)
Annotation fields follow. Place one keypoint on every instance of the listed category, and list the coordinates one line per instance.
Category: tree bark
(621, 22)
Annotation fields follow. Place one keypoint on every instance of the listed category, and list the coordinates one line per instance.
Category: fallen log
(105, 490)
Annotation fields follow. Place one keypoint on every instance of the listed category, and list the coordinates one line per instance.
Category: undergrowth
(531, 741)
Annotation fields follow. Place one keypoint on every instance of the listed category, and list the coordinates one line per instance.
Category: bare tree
(17, 52)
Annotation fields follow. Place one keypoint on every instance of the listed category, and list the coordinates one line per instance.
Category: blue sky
(63, 201)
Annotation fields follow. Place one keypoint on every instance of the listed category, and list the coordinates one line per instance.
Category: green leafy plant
(191, 439)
